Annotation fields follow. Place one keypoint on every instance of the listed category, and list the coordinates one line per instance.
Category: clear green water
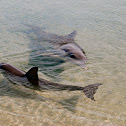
(101, 28)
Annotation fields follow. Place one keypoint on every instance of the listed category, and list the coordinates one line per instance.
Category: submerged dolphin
(41, 84)
(66, 44)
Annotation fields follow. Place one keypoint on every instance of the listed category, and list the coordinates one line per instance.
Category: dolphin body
(68, 47)
(41, 84)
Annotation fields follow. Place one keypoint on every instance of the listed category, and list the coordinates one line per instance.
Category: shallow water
(101, 28)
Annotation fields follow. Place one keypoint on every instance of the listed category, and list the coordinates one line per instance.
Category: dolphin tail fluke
(90, 90)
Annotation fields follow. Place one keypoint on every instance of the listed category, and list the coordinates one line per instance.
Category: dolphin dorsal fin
(32, 74)
(72, 35)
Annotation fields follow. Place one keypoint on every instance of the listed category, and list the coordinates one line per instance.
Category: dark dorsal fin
(71, 35)
(32, 75)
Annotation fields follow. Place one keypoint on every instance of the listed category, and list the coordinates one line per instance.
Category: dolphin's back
(11, 69)
(32, 77)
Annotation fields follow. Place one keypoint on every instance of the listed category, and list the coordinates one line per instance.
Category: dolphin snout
(81, 64)
(84, 67)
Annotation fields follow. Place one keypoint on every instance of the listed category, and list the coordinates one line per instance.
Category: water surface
(101, 32)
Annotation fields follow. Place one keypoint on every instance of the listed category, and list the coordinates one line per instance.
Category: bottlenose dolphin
(41, 84)
(66, 44)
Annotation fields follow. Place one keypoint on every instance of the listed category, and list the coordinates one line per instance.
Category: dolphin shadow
(70, 104)
(17, 92)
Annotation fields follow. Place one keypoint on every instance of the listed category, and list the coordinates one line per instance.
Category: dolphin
(66, 44)
(40, 84)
